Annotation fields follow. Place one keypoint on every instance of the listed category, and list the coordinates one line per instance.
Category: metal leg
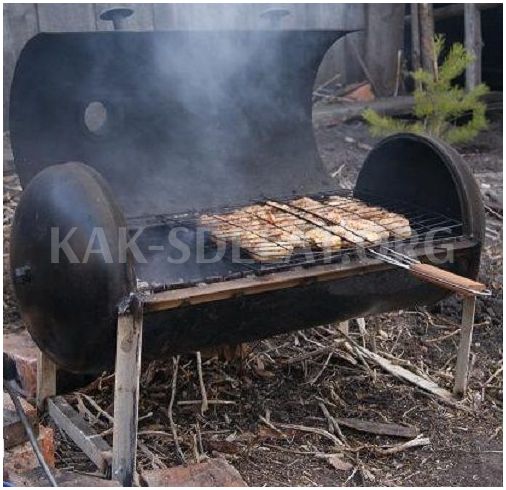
(126, 393)
(466, 336)
(46, 380)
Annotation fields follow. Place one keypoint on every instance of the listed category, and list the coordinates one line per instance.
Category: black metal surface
(430, 174)
(248, 318)
(69, 308)
(194, 119)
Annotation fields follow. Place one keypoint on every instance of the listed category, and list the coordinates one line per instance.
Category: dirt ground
(265, 413)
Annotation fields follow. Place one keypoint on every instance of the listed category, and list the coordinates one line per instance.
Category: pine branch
(439, 105)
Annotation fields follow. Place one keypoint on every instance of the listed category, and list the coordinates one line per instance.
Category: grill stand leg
(126, 393)
(466, 336)
(46, 380)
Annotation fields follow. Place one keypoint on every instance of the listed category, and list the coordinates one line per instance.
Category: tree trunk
(384, 39)
(472, 24)
(426, 16)
(415, 38)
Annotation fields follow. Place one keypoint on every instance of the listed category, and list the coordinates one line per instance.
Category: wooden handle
(446, 279)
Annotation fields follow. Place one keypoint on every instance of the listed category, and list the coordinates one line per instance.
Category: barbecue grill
(124, 138)
(192, 123)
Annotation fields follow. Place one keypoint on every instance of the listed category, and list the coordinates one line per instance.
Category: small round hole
(95, 117)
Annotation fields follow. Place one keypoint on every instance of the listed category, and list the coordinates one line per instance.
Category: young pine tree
(438, 102)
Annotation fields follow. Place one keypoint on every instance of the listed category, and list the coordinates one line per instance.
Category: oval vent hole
(95, 117)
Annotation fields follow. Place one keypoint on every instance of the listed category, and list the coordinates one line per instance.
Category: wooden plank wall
(22, 21)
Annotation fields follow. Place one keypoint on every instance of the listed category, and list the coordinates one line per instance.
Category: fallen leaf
(339, 464)
(264, 373)
(225, 447)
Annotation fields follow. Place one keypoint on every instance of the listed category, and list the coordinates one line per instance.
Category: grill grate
(427, 227)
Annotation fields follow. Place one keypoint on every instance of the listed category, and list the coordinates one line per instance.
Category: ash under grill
(427, 229)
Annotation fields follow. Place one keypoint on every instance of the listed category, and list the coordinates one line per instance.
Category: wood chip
(337, 461)
(385, 429)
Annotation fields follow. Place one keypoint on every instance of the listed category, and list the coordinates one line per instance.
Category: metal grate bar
(426, 226)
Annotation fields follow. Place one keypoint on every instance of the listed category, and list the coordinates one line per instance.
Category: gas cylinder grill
(196, 123)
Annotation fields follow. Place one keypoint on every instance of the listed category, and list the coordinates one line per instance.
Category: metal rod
(407, 261)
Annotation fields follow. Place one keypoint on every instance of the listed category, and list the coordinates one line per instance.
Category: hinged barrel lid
(173, 120)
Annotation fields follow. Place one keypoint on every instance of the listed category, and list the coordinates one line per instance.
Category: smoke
(194, 119)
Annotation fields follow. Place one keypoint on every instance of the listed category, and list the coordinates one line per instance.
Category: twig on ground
(355, 469)
(352, 346)
(325, 364)
(205, 404)
(175, 364)
(199, 439)
(154, 433)
(362, 329)
(493, 376)
(418, 441)
(97, 407)
(443, 337)
(195, 449)
(489, 380)
(317, 352)
(150, 454)
(402, 373)
(265, 421)
(209, 402)
(84, 411)
(314, 430)
(333, 424)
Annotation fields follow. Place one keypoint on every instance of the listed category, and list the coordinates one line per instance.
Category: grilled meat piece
(352, 227)
(274, 231)
(323, 239)
(262, 240)
(396, 224)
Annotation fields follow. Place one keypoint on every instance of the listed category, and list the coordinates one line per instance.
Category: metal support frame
(466, 336)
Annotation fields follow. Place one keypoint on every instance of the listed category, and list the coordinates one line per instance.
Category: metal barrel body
(224, 119)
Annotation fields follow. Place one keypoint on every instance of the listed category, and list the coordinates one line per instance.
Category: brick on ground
(21, 459)
(20, 347)
(36, 478)
(14, 431)
(211, 473)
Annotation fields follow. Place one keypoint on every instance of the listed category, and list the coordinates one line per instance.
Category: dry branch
(333, 424)
(202, 385)
(418, 441)
(175, 364)
(313, 430)
(402, 373)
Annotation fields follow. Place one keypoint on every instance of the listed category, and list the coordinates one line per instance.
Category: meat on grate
(275, 230)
